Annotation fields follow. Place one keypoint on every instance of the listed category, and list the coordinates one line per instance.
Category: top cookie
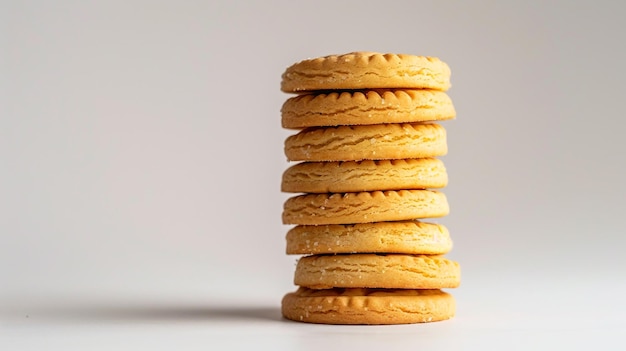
(366, 70)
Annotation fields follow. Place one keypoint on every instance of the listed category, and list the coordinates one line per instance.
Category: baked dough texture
(389, 271)
(366, 107)
(365, 147)
(368, 306)
(364, 207)
(366, 70)
(366, 175)
(367, 142)
(409, 237)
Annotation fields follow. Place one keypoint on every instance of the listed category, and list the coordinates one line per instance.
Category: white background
(141, 156)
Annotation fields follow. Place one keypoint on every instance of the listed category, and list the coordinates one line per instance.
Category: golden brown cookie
(368, 306)
(367, 142)
(408, 237)
(366, 107)
(366, 175)
(366, 70)
(388, 271)
(364, 207)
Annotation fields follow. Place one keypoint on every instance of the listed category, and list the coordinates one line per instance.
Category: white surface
(522, 315)
(141, 156)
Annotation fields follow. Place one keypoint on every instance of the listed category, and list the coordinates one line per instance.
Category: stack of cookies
(367, 147)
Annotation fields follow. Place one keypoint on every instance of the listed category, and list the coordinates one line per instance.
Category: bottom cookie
(368, 306)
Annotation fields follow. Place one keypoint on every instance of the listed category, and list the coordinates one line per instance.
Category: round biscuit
(366, 107)
(407, 237)
(366, 70)
(368, 306)
(365, 175)
(387, 271)
(367, 142)
(364, 207)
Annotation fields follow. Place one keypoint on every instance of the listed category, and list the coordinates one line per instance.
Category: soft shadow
(149, 313)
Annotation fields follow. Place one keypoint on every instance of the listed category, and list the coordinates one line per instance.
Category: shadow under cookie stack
(367, 148)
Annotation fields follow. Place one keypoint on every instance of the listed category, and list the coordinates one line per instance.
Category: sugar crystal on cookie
(366, 151)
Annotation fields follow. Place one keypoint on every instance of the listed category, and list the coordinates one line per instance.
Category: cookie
(364, 207)
(367, 142)
(388, 271)
(366, 70)
(408, 237)
(366, 175)
(368, 306)
(366, 107)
